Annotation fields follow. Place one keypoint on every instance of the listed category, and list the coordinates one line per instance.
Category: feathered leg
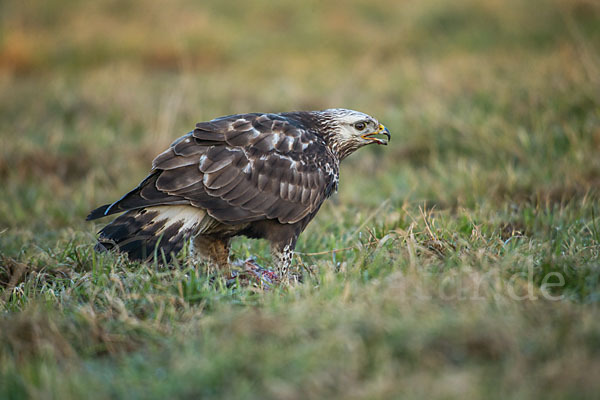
(213, 249)
(281, 256)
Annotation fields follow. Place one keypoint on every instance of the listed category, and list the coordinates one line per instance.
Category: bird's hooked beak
(378, 139)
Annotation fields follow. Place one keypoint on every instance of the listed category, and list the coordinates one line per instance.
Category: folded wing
(240, 169)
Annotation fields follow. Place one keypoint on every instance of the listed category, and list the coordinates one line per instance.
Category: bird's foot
(250, 272)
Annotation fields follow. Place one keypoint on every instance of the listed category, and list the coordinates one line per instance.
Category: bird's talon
(249, 271)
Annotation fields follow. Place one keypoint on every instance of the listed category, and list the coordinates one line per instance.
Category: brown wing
(241, 168)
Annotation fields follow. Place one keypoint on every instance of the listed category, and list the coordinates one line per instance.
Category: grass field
(462, 261)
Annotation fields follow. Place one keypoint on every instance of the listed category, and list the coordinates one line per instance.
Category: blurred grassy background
(494, 109)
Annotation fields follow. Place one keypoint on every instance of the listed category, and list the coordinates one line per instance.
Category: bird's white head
(353, 130)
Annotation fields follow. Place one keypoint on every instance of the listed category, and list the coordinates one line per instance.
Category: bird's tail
(151, 231)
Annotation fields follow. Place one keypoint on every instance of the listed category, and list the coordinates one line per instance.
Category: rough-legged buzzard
(258, 175)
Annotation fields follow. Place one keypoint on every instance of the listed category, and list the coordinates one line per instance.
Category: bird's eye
(359, 126)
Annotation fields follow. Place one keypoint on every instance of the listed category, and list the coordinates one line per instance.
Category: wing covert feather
(244, 168)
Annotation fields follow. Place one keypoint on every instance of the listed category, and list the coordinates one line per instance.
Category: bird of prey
(262, 176)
